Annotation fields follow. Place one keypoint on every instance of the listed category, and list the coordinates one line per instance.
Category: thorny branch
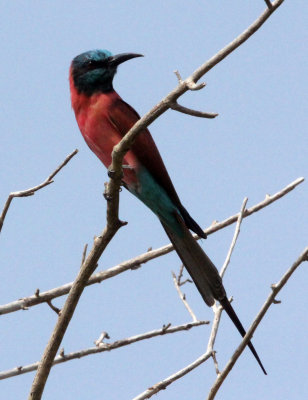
(42, 297)
(112, 194)
(31, 191)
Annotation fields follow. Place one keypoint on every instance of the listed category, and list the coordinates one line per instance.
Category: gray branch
(102, 347)
(31, 191)
(275, 289)
(42, 297)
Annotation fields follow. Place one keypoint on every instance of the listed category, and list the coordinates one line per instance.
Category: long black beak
(118, 59)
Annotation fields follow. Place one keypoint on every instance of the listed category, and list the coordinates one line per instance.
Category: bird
(103, 118)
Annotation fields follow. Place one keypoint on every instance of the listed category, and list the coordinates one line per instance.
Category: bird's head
(93, 71)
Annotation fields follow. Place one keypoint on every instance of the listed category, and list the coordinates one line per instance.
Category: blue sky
(257, 145)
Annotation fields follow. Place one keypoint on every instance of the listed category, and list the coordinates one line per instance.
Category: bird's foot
(127, 167)
(113, 174)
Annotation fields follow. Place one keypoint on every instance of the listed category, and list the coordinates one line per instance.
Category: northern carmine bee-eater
(103, 119)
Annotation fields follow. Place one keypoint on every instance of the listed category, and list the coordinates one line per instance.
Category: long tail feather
(205, 276)
(234, 318)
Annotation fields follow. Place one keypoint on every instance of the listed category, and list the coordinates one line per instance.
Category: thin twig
(42, 297)
(195, 113)
(31, 191)
(84, 254)
(217, 309)
(55, 309)
(269, 301)
(183, 298)
(235, 236)
(162, 385)
(103, 347)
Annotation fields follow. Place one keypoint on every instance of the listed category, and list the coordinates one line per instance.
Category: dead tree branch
(42, 297)
(275, 289)
(102, 347)
(31, 191)
(200, 360)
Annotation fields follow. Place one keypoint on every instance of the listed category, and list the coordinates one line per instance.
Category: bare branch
(103, 347)
(86, 270)
(183, 297)
(31, 191)
(235, 236)
(172, 378)
(269, 301)
(84, 254)
(188, 84)
(217, 309)
(177, 107)
(42, 297)
(55, 309)
(217, 315)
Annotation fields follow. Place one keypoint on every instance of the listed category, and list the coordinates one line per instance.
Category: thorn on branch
(178, 75)
(122, 223)
(37, 293)
(273, 286)
(276, 301)
(165, 327)
(135, 266)
(100, 340)
(61, 352)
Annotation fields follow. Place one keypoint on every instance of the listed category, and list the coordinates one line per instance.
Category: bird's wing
(123, 116)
